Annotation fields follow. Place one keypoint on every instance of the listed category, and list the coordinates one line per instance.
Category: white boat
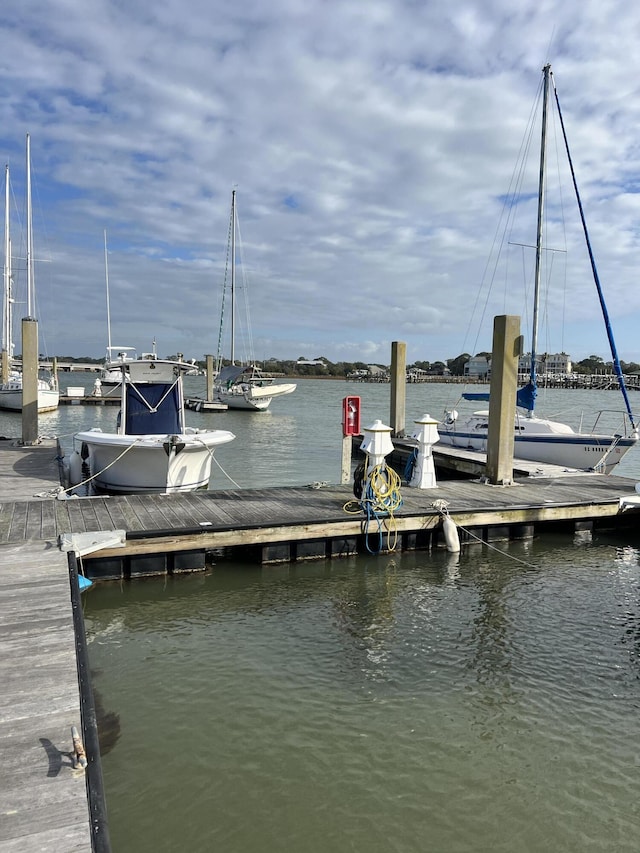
(248, 388)
(11, 389)
(538, 439)
(152, 449)
(241, 386)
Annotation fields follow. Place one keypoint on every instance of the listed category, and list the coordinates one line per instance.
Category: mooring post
(209, 379)
(398, 387)
(4, 366)
(29, 380)
(507, 346)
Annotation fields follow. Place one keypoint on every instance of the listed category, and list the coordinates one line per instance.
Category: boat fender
(451, 534)
(450, 417)
(75, 468)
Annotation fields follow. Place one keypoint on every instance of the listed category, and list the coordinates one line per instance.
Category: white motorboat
(152, 449)
(11, 390)
(538, 439)
(236, 386)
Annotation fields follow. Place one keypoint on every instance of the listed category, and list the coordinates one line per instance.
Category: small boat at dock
(152, 449)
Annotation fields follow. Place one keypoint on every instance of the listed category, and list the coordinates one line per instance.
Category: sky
(371, 146)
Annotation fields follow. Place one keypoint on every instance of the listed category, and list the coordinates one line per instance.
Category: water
(299, 439)
(425, 701)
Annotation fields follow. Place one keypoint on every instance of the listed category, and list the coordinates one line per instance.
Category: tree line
(320, 366)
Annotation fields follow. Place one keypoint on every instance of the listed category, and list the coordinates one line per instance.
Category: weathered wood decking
(227, 518)
(43, 799)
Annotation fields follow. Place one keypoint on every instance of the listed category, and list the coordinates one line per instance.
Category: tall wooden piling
(507, 346)
(398, 388)
(29, 380)
(209, 378)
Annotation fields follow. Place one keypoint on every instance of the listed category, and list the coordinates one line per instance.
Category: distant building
(558, 363)
(376, 370)
(318, 362)
(478, 367)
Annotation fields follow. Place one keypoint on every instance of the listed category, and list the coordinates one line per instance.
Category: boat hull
(582, 451)
(124, 464)
(255, 398)
(11, 400)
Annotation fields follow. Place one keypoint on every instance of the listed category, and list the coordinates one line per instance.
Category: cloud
(371, 146)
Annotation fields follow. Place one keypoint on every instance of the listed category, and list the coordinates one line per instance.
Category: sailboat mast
(106, 275)
(30, 283)
(541, 191)
(233, 277)
(7, 297)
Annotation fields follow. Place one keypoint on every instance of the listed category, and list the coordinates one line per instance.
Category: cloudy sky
(371, 144)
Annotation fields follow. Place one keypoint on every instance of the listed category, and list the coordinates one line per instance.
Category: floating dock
(47, 803)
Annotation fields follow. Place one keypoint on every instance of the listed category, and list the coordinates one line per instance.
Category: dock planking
(228, 518)
(234, 518)
(44, 800)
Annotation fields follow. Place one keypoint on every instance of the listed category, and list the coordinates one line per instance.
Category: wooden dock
(45, 806)
(45, 801)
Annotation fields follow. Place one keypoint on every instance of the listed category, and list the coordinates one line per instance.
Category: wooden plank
(6, 515)
(18, 528)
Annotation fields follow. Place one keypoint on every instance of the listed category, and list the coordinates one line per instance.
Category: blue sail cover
(525, 397)
(141, 421)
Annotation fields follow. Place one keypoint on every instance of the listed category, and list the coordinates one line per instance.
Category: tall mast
(7, 343)
(30, 282)
(541, 191)
(106, 276)
(233, 277)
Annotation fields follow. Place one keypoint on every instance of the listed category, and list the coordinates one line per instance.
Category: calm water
(424, 702)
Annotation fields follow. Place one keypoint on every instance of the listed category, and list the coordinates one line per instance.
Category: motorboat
(152, 449)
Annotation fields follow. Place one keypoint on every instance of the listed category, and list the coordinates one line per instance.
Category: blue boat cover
(153, 417)
(525, 397)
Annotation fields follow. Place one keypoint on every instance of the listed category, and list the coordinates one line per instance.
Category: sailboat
(538, 439)
(11, 389)
(242, 386)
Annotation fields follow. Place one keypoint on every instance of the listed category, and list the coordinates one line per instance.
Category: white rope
(213, 459)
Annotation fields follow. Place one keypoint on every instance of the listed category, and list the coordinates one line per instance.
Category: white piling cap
(377, 426)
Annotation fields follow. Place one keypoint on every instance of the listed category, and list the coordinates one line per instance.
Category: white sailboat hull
(255, 398)
(11, 399)
(544, 441)
(149, 463)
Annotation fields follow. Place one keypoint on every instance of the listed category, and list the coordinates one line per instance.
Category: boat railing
(604, 418)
